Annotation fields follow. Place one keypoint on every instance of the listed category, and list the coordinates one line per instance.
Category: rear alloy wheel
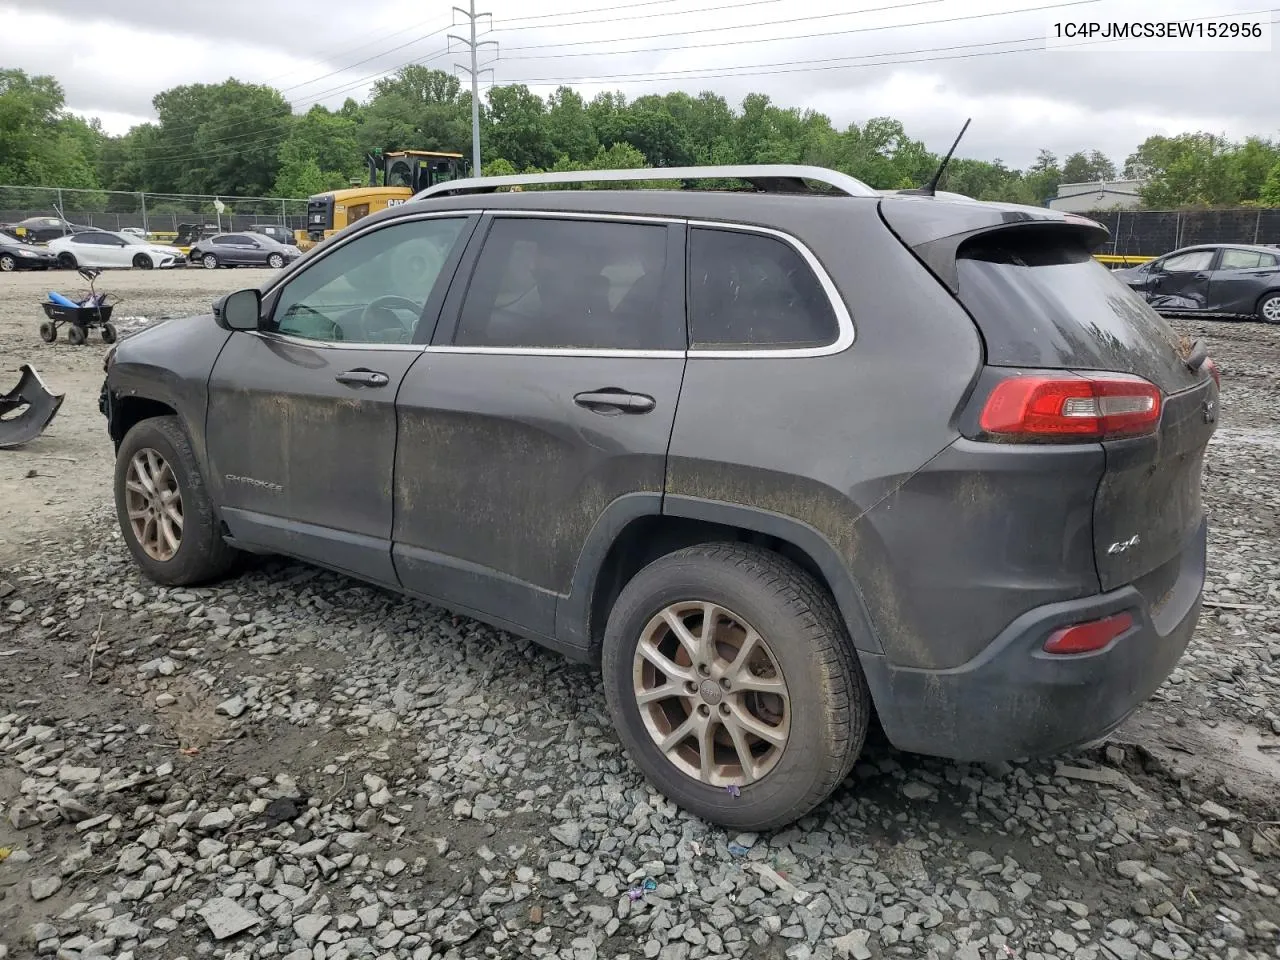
(1269, 308)
(275, 261)
(210, 261)
(8, 263)
(163, 507)
(67, 261)
(143, 262)
(733, 685)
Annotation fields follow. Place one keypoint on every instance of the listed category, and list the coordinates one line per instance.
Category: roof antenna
(929, 188)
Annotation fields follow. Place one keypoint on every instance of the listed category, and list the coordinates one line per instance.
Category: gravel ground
(296, 765)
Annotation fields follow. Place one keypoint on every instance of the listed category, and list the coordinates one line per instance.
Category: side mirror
(241, 310)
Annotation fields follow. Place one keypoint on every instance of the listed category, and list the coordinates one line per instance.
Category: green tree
(416, 108)
(516, 127)
(40, 143)
(1191, 169)
(322, 152)
(1081, 167)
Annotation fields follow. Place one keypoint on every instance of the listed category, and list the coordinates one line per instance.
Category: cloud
(929, 63)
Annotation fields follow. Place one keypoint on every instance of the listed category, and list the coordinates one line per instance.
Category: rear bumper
(1014, 701)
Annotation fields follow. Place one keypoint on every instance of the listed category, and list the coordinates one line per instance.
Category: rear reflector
(1068, 406)
(1087, 637)
(1214, 372)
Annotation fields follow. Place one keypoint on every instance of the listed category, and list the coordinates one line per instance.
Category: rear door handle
(360, 377)
(610, 402)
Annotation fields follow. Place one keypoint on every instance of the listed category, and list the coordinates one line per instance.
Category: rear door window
(1246, 260)
(753, 291)
(1041, 300)
(568, 284)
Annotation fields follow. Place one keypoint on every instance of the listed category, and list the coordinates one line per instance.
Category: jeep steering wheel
(382, 306)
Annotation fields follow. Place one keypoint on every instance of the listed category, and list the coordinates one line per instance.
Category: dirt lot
(57, 476)
(296, 765)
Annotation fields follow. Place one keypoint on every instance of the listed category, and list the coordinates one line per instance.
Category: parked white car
(102, 248)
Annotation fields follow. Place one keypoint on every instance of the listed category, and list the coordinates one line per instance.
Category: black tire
(76, 335)
(830, 704)
(48, 331)
(108, 333)
(1269, 308)
(143, 262)
(8, 263)
(67, 261)
(275, 261)
(209, 261)
(202, 554)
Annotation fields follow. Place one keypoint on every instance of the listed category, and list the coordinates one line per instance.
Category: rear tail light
(1087, 637)
(1065, 406)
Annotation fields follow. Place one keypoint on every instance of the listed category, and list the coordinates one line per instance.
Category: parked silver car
(242, 250)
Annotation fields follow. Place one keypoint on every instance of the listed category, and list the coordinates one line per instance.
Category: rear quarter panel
(823, 440)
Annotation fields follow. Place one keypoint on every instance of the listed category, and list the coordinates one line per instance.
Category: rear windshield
(1041, 301)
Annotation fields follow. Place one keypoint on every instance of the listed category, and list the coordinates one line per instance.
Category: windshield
(133, 240)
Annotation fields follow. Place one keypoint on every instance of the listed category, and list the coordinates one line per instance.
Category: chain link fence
(160, 214)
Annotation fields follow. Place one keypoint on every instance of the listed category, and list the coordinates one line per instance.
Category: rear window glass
(1043, 302)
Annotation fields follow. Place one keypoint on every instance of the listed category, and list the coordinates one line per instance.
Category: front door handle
(360, 377)
(611, 401)
(1202, 276)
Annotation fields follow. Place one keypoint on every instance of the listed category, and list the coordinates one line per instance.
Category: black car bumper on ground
(1015, 701)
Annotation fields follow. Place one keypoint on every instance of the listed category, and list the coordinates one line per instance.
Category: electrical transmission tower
(474, 71)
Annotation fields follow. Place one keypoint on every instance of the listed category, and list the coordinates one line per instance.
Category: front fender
(168, 364)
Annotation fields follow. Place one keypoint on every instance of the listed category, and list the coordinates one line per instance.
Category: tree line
(244, 139)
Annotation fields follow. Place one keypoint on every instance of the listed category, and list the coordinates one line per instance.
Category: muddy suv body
(770, 459)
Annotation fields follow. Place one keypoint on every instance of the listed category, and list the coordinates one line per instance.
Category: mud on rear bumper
(1014, 701)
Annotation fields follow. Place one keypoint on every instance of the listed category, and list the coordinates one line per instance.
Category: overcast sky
(899, 58)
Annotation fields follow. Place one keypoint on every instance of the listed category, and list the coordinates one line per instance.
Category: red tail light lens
(1067, 406)
(1087, 637)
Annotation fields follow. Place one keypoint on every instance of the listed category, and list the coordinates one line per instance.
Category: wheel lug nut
(704, 710)
(690, 686)
(702, 669)
(724, 709)
(724, 682)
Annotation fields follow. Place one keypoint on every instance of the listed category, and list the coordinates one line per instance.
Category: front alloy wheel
(168, 521)
(711, 694)
(154, 504)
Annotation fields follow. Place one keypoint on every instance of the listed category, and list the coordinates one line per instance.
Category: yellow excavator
(404, 173)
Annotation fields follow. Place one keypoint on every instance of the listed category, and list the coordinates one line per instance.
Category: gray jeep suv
(771, 459)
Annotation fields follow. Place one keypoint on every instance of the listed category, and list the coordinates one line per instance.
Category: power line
(763, 69)
(348, 50)
(821, 16)
(681, 13)
(574, 13)
(376, 56)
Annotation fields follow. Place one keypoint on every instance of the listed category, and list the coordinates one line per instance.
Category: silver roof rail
(778, 178)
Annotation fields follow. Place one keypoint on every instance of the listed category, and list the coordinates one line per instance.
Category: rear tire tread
(822, 632)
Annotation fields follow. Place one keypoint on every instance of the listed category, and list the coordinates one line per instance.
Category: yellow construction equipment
(404, 173)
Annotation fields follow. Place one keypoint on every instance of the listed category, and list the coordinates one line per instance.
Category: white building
(1098, 195)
